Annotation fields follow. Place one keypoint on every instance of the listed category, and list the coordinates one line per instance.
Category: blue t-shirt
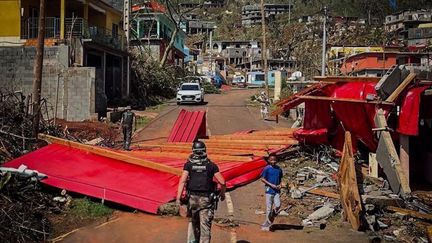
(272, 174)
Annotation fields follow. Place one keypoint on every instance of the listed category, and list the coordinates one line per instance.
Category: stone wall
(70, 89)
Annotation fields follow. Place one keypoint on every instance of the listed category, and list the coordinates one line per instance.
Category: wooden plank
(186, 155)
(411, 213)
(254, 142)
(389, 159)
(221, 145)
(429, 233)
(112, 155)
(347, 180)
(373, 165)
(336, 79)
(240, 137)
(392, 98)
(321, 192)
(220, 151)
(345, 100)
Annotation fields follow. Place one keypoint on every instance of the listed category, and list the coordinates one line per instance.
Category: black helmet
(198, 148)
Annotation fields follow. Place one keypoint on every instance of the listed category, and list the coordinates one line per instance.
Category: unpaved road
(226, 113)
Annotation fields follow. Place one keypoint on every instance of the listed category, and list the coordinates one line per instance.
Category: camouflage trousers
(201, 213)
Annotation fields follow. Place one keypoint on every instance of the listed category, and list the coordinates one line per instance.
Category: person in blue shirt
(272, 179)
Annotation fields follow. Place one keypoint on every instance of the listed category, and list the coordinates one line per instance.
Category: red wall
(369, 60)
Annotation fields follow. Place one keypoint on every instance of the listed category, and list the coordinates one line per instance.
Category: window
(114, 30)
(259, 77)
(147, 28)
(189, 87)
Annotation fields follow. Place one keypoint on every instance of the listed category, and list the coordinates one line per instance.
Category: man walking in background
(127, 121)
(272, 179)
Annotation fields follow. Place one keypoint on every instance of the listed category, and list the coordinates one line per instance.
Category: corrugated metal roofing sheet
(189, 126)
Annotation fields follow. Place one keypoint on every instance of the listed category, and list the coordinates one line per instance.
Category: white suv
(190, 93)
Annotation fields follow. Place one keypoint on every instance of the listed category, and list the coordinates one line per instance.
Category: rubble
(24, 208)
(317, 203)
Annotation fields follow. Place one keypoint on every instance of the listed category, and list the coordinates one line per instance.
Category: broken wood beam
(336, 79)
(321, 192)
(264, 138)
(112, 155)
(388, 158)
(345, 100)
(221, 145)
(429, 232)
(347, 180)
(234, 143)
(220, 151)
(411, 213)
(392, 98)
(186, 156)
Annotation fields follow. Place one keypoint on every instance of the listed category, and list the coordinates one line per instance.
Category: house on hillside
(192, 25)
(399, 23)
(153, 31)
(85, 64)
(251, 14)
(376, 64)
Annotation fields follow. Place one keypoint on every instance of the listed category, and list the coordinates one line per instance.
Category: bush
(210, 89)
(151, 83)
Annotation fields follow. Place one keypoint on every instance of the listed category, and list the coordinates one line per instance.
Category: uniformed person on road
(198, 174)
(127, 121)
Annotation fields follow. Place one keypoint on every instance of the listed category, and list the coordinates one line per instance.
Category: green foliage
(153, 83)
(210, 89)
(84, 208)
(142, 121)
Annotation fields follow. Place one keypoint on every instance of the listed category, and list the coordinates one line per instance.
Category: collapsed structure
(388, 116)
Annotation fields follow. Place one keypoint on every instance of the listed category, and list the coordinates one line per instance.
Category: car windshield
(189, 87)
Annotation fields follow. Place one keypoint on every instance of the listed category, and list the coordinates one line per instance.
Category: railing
(30, 28)
(79, 27)
(74, 27)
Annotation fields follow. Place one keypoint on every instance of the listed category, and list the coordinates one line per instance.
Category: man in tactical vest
(198, 172)
(127, 123)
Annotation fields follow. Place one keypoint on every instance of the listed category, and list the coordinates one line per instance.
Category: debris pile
(15, 125)
(316, 197)
(24, 207)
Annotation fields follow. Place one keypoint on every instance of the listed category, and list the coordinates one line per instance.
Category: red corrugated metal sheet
(189, 126)
(135, 186)
(410, 112)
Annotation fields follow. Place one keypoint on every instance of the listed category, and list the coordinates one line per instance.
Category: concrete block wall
(61, 85)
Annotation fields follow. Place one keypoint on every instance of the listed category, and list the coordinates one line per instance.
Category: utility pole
(264, 47)
(289, 12)
(323, 62)
(126, 12)
(37, 71)
(211, 52)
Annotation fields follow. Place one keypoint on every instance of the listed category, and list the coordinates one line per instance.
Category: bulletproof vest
(201, 177)
(127, 118)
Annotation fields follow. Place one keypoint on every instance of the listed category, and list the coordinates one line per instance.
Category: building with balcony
(193, 25)
(399, 23)
(153, 32)
(204, 4)
(376, 64)
(251, 14)
(420, 37)
(84, 34)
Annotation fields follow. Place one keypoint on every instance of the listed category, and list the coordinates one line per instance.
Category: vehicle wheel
(178, 103)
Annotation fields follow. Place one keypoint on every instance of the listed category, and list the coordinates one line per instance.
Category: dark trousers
(127, 137)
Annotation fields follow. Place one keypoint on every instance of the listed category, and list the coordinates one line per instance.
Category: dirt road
(226, 113)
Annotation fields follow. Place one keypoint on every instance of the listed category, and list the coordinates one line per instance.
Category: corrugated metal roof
(189, 126)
